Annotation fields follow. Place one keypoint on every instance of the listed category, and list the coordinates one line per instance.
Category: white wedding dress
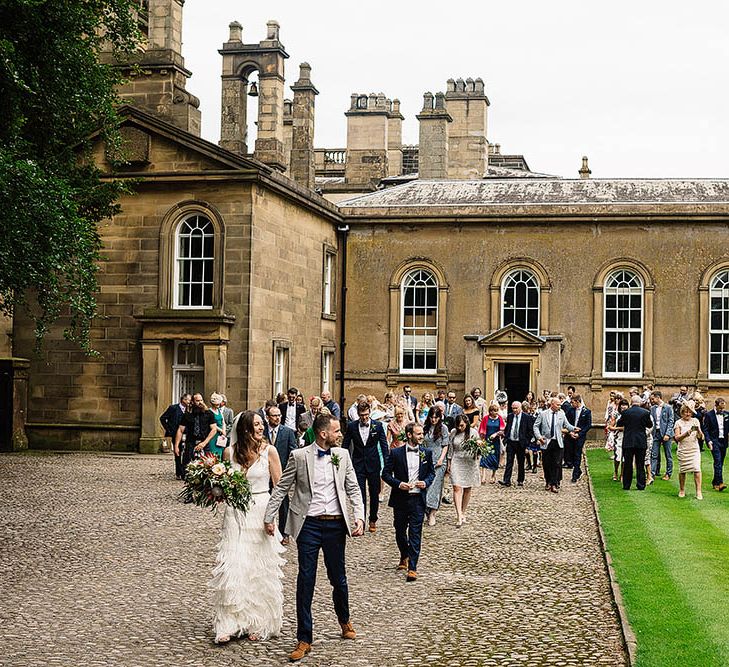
(246, 584)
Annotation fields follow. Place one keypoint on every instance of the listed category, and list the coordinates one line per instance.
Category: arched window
(520, 300)
(719, 325)
(194, 256)
(419, 324)
(623, 341)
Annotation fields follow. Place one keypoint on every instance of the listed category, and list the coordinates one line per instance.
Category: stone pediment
(512, 336)
(151, 145)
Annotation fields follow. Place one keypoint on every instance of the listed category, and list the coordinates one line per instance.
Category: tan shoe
(302, 648)
(373, 527)
(665, 478)
(347, 631)
(412, 575)
(403, 565)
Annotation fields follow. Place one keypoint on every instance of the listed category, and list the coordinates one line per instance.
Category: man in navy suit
(170, 420)
(716, 427)
(291, 411)
(581, 417)
(284, 440)
(518, 432)
(409, 471)
(367, 443)
(635, 421)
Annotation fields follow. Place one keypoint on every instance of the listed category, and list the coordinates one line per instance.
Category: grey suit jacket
(299, 474)
(543, 426)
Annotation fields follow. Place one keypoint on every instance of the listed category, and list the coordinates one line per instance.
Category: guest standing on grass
(436, 440)
(635, 421)
(663, 419)
(463, 467)
(687, 433)
(716, 427)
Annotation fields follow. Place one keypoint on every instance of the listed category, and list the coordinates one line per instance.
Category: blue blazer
(711, 427)
(367, 457)
(585, 423)
(666, 425)
(396, 471)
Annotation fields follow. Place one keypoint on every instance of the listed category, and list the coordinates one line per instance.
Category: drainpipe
(343, 231)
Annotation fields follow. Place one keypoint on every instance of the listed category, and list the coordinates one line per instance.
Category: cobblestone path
(99, 565)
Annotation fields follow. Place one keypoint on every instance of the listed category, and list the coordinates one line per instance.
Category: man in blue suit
(285, 442)
(451, 410)
(581, 417)
(663, 418)
(409, 471)
(367, 443)
(170, 420)
(716, 427)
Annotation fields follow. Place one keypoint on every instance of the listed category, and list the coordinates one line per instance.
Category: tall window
(194, 263)
(623, 335)
(327, 370)
(280, 368)
(520, 300)
(719, 325)
(188, 369)
(419, 325)
(327, 284)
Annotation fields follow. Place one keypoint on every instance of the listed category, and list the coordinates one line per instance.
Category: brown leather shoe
(373, 527)
(412, 575)
(665, 478)
(403, 565)
(721, 487)
(347, 631)
(302, 648)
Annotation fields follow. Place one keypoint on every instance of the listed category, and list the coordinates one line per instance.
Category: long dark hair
(435, 411)
(462, 419)
(245, 449)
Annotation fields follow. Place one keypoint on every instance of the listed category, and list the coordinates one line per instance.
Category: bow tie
(414, 449)
(325, 452)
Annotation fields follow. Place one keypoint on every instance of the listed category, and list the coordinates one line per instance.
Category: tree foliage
(54, 93)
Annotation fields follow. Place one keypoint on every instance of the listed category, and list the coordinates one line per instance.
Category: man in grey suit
(323, 479)
(548, 428)
(451, 410)
(284, 440)
(663, 419)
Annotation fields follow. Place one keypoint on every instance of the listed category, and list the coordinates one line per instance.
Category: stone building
(246, 267)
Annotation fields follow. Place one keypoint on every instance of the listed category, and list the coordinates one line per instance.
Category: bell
(253, 92)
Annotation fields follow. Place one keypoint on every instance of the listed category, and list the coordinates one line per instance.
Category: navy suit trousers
(408, 524)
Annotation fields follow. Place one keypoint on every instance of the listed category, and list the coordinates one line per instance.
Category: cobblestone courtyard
(100, 565)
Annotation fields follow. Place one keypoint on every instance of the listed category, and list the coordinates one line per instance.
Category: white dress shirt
(290, 416)
(720, 422)
(323, 488)
(413, 459)
(364, 431)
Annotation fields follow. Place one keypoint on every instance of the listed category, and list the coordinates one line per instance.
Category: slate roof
(524, 192)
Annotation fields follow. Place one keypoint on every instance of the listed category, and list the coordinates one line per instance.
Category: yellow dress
(689, 454)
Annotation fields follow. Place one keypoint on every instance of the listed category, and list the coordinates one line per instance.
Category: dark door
(6, 406)
(516, 381)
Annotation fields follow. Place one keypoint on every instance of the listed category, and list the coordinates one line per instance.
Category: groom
(323, 478)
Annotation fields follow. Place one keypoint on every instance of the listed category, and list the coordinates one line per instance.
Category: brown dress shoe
(373, 527)
(302, 648)
(403, 565)
(347, 631)
(721, 487)
(665, 478)
(412, 575)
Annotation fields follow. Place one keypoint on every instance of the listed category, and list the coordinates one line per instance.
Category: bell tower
(239, 62)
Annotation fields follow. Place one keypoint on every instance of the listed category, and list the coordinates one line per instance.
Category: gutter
(343, 232)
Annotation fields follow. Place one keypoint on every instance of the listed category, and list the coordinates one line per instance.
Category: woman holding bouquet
(491, 425)
(246, 584)
(462, 465)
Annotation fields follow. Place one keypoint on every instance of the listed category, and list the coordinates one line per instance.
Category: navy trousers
(577, 459)
(718, 453)
(330, 537)
(408, 524)
(370, 481)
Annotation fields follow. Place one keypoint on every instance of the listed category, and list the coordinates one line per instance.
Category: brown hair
(245, 449)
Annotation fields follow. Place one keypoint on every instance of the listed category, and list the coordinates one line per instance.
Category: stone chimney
(288, 122)
(239, 62)
(367, 140)
(156, 77)
(394, 139)
(584, 169)
(467, 144)
(433, 148)
(302, 140)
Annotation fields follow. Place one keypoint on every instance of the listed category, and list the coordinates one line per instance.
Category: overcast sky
(638, 86)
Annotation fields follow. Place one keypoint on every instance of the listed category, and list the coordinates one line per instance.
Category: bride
(246, 584)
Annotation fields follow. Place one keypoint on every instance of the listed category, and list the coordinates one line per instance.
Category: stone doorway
(514, 379)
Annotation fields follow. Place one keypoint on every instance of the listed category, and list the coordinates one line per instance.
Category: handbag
(222, 442)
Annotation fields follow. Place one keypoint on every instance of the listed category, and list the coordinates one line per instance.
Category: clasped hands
(407, 486)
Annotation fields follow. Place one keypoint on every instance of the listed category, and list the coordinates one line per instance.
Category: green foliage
(670, 558)
(55, 92)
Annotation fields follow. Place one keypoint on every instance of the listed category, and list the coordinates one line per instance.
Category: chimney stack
(367, 140)
(467, 144)
(302, 140)
(433, 149)
(394, 139)
(584, 169)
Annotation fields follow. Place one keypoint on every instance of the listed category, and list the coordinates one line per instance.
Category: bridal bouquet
(209, 482)
(477, 447)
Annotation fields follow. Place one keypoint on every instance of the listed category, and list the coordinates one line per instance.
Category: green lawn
(671, 559)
